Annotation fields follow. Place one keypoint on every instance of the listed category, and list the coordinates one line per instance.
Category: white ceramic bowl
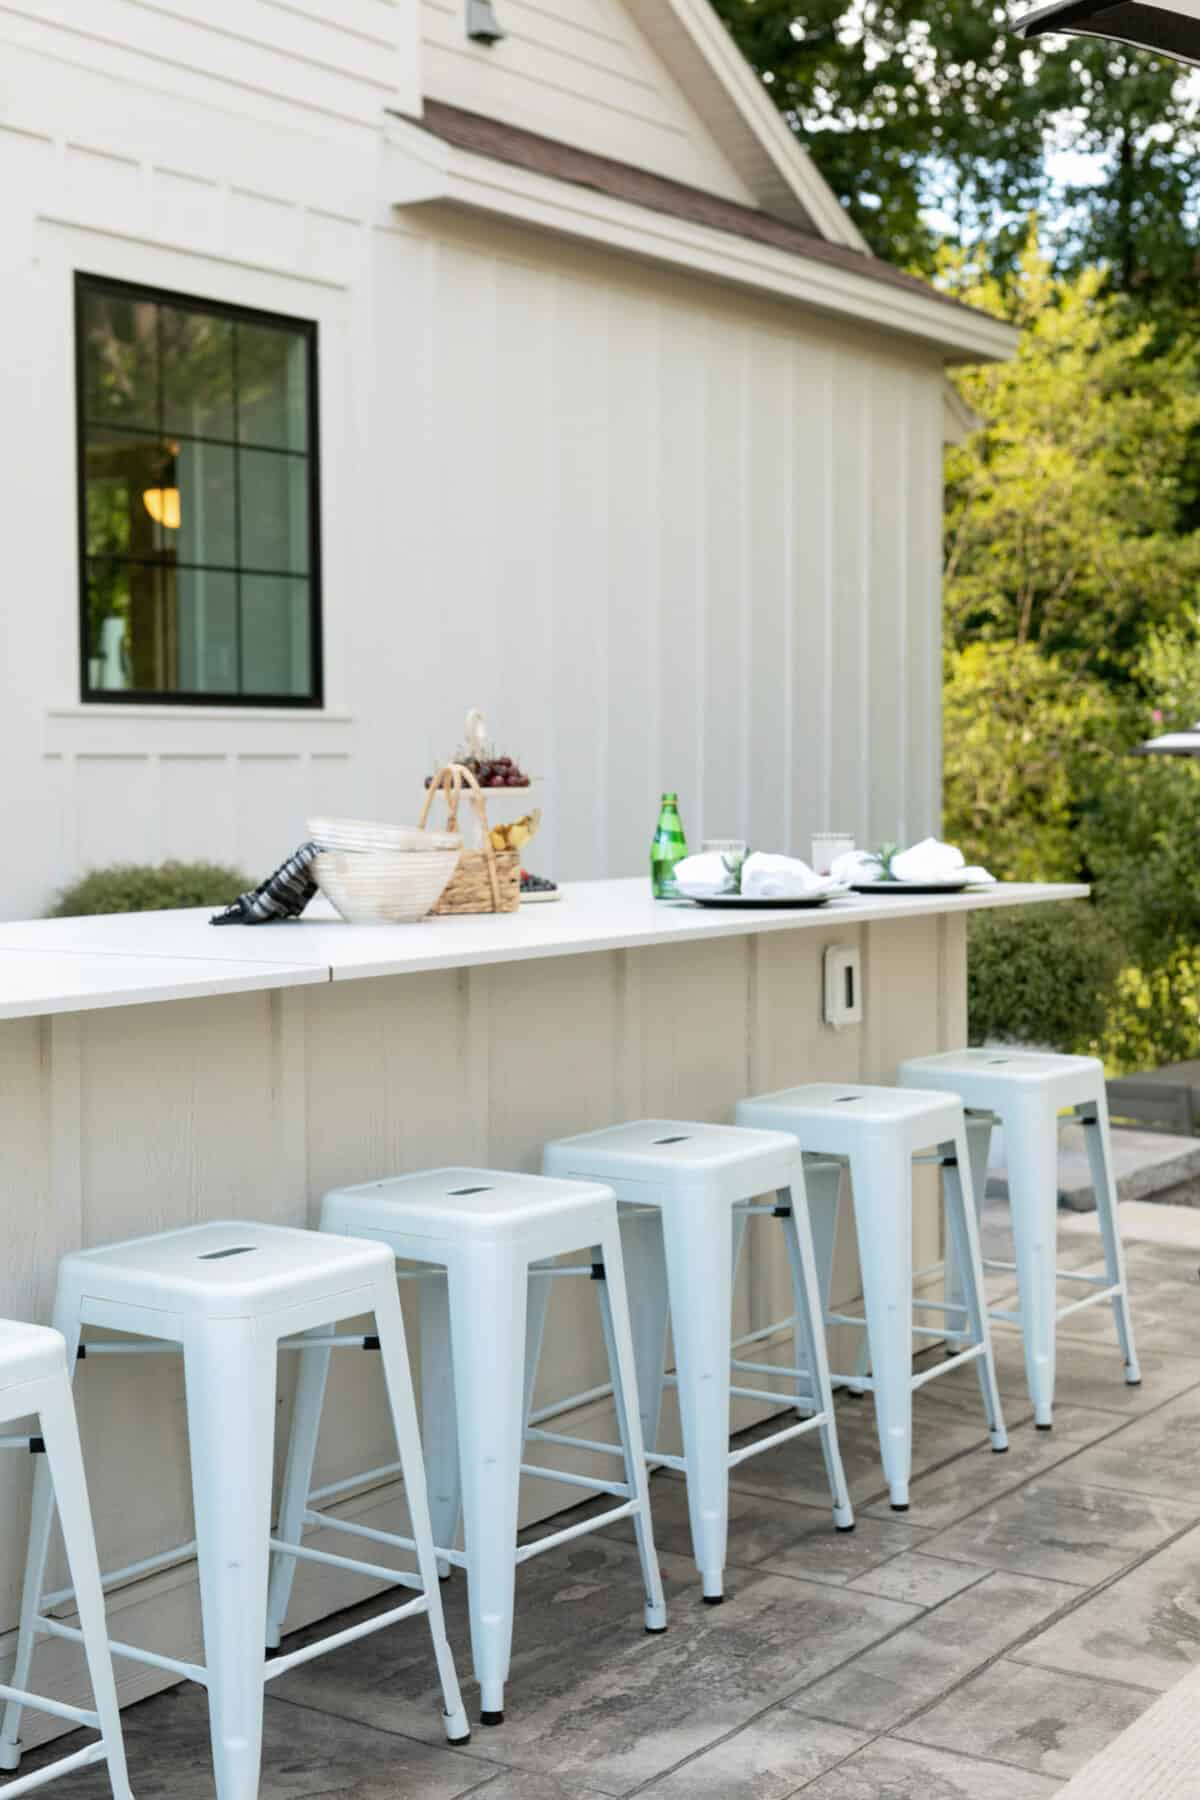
(384, 887)
(366, 834)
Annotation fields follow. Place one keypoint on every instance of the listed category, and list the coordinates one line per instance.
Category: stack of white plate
(382, 874)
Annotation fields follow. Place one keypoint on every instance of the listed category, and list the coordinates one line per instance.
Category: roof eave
(431, 171)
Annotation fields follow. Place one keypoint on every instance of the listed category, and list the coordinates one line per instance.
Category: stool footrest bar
(618, 1488)
(1102, 1294)
(777, 1437)
(279, 1665)
(82, 1759)
(583, 1529)
(558, 1407)
(763, 1333)
(172, 1664)
(943, 1368)
(773, 1397)
(149, 1565)
(574, 1443)
(78, 1715)
(376, 1571)
(753, 1368)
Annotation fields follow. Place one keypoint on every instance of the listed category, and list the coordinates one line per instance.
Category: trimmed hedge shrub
(1046, 975)
(148, 887)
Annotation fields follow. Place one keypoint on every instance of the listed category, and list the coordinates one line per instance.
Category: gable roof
(544, 156)
(742, 117)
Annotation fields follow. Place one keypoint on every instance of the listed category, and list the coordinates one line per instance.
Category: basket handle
(449, 780)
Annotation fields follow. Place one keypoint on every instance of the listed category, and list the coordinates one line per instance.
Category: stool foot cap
(655, 1630)
(849, 1527)
(444, 1569)
(491, 1718)
(10, 1755)
(999, 1449)
(900, 1506)
(1132, 1380)
(655, 1617)
(1040, 1427)
(714, 1599)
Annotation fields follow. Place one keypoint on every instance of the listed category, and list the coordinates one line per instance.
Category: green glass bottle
(669, 847)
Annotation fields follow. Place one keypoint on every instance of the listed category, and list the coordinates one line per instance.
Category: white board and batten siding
(665, 533)
(586, 61)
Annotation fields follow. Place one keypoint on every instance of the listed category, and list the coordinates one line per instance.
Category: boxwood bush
(149, 887)
(1046, 975)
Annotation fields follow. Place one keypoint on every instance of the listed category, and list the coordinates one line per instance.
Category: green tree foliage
(1067, 511)
(1009, 998)
(915, 108)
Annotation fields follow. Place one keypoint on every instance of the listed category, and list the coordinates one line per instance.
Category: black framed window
(198, 500)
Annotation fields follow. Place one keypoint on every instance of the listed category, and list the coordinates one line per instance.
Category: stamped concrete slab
(981, 1478)
(1038, 1719)
(598, 1701)
(778, 1534)
(797, 1472)
(1155, 1455)
(1144, 1630)
(1065, 1531)
(894, 1770)
(770, 1759)
(1088, 1374)
(306, 1756)
(919, 1579)
(901, 1676)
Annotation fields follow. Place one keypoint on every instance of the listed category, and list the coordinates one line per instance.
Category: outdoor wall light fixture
(482, 24)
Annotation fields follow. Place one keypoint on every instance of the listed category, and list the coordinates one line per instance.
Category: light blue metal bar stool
(34, 1383)
(687, 1191)
(876, 1131)
(483, 1234)
(1026, 1091)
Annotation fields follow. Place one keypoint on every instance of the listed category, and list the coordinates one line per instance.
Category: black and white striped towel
(283, 895)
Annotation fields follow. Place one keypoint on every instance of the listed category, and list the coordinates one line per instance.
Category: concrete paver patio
(981, 1647)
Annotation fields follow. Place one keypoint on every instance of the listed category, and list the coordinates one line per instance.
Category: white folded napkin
(930, 860)
(856, 865)
(700, 877)
(766, 877)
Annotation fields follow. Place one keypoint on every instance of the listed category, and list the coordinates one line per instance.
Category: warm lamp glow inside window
(163, 506)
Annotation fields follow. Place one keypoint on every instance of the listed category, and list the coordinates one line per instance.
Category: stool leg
(65, 1459)
(389, 1324)
(488, 1302)
(230, 1374)
(644, 1255)
(882, 1180)
(537, 1307)
(1099, 1148)
(809, 1338)
(439, 1417)
(698, 1242)
(979, 1144)
(618, 1339)
(297, 1480)
(40, 1523)
(960, 1210)
(1031, 1147)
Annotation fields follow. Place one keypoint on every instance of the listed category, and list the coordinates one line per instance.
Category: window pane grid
(166, 611)
(196, 437)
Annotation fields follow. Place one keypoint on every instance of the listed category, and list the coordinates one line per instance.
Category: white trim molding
(426, 170)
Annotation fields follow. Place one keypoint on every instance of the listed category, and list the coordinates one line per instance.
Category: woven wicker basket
(485, 880)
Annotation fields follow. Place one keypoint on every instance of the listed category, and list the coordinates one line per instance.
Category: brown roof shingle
(658, 193)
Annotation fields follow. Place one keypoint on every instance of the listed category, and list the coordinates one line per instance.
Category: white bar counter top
(126, 959)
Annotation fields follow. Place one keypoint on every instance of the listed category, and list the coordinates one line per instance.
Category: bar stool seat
(687, 1190)
(230, 1294)
(1024, 1091)
(876, 1131)
(483, 1308)
(34, 1382)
